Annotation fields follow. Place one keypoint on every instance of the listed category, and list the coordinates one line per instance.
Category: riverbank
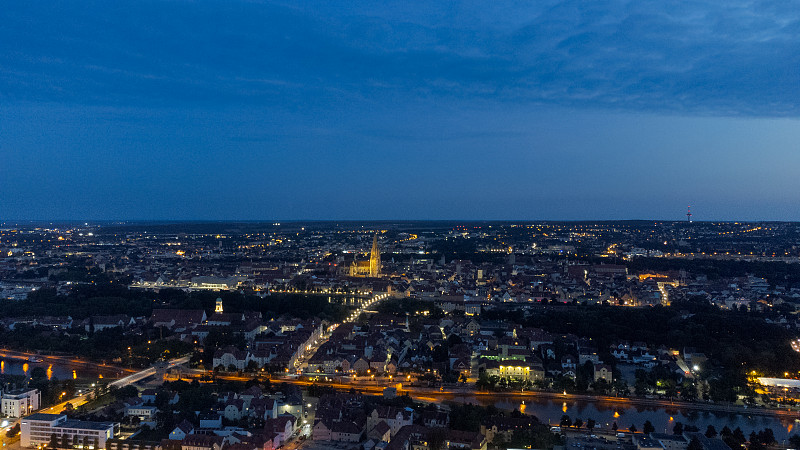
(645, 402)
(444, 394)
(550, 407)
(62, 367)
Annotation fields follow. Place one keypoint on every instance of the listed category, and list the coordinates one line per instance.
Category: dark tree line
(732, 340)
(110, 299)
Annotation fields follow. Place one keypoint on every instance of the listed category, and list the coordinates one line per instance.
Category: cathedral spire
(375, 258)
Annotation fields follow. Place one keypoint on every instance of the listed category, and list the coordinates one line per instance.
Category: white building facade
(20, 402)
(37, 429)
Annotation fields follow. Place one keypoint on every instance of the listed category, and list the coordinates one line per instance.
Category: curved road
(122, 382)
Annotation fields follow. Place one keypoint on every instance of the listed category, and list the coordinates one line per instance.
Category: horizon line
(6, 221)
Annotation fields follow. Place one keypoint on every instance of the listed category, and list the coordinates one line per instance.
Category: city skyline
(576, 332)
(272, 111)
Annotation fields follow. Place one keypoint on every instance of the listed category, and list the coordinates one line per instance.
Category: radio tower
(689, 214)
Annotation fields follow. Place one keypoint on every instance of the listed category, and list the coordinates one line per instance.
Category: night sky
(248, 110)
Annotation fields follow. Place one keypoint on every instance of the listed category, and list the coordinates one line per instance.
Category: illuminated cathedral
(371, 268)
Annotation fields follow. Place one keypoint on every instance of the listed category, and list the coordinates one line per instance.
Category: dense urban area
(400, 335)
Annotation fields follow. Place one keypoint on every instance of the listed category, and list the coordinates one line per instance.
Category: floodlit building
(371, 268)
(512, 369)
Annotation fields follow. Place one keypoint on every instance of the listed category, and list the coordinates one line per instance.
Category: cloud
(715, 58)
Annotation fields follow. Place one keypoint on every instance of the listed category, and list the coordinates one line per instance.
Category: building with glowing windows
(20, 402)
(39, 429)
(515, 369)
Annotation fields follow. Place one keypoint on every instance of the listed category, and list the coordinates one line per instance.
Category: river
(61, 371)
(663, 418)
(547, 410)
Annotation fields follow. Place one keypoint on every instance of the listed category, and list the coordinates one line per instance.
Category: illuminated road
(138, 376)
(301, 361)
(468, 394)
(122, 382)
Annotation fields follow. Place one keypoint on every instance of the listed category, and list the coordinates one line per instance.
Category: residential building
(20, 402)
(38, 429)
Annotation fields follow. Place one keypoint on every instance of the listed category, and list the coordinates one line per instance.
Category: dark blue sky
(402, 110)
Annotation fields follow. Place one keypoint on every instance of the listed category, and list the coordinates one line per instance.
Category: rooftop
(84, 425)
(44, 417)
(17, 392)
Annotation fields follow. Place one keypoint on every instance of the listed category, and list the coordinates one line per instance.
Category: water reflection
(12, 366)
(663, 418)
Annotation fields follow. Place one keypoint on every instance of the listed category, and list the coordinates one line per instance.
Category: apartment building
(38, 429)
(20, 402)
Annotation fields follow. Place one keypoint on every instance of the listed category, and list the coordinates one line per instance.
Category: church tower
(375, 258)
(218, 309)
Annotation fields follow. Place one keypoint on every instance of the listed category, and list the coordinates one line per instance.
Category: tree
(126, 392)
(614, 426)
(677, 429)
(723, 389)
(711, 432)
(670, 388)
(648, 427)
(766, 436)
(641, 387)
(590, 424)
(688, 390)
(13, 431)
(586, 370)
(601, 386)
(620, 388)
(566, 421)
(633, 428)
(483, 381)
(795, 440)
(577, 423)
